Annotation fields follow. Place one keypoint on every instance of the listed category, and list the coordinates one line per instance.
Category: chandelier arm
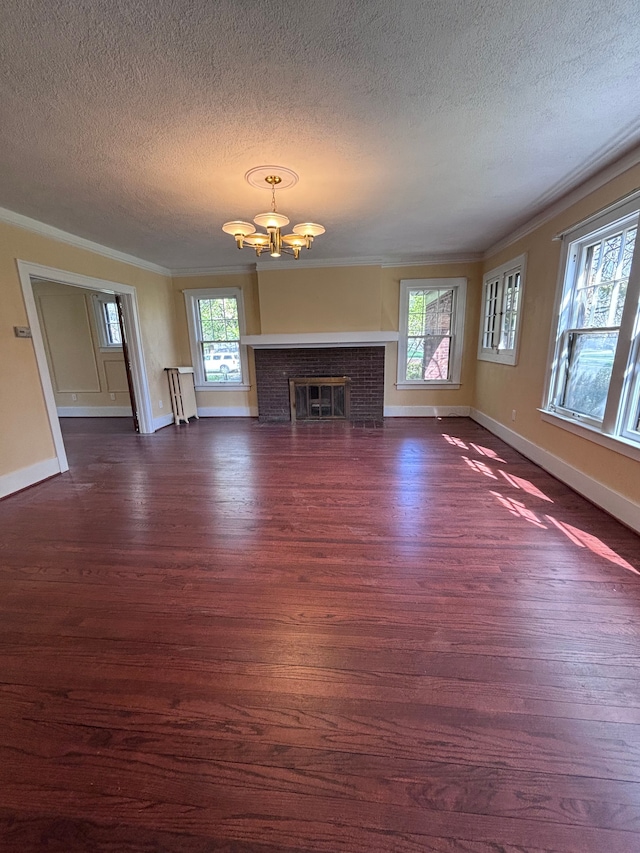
(275, 243)
(284, 250)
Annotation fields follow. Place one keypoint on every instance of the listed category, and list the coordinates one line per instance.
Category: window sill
(223, 386)
(615, 443)
(497, 359)
(421, 386)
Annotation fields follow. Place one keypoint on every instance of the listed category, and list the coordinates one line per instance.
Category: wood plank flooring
(315, 639)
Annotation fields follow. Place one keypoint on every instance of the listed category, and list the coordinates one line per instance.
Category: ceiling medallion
(273, 242)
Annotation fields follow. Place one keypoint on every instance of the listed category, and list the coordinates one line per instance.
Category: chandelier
(274, 241)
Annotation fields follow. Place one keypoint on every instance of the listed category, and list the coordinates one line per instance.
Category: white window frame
(494, 294)
(99, 301)
(618, 428)
(459, 288)
(192, 297)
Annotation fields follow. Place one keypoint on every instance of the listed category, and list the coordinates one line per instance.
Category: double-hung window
(216, 323)
(431, 332)
(502, 292)
(107, 321)
(594, 377)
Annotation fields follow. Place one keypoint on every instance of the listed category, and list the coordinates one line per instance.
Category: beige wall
(26, 436)
(78, 365)
(329, 299)
(501, 388)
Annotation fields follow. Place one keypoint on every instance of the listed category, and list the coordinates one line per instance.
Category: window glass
(107, 320)
(509, 311)
(491, 312)
(589, 372)
(112, 324)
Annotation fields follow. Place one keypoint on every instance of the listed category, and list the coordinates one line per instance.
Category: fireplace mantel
(313, 340)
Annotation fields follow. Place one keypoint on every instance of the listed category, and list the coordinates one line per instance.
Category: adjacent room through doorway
(88, 349)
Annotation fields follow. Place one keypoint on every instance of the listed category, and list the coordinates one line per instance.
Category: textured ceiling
(416, 127)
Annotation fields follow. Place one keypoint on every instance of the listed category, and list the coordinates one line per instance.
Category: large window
(502, 292)
(216, 323)
(594, 377)
(431, 331)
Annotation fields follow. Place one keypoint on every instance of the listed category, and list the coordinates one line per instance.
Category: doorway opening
(121, 330)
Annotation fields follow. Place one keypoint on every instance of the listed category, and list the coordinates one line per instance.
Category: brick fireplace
(363, 365)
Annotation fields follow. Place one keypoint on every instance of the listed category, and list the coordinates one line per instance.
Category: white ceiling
(416, 127)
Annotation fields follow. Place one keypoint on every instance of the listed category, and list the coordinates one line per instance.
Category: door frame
(28, 272)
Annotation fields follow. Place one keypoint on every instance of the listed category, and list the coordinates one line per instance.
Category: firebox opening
(320, 398)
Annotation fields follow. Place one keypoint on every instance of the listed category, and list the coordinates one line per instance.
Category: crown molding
(195, 272)
(630, 199)
(435, 259)
(318, 263)
(566, 201)
(624, 144)
(321, 263)
(10, 217)
(266, 266)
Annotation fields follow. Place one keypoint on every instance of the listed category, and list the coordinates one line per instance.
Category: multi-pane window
(219, 338)
(429, 337)
(596, 364)
(215, 326)
(107, 320)
(112, 324)
(431, 327)
(502, 310)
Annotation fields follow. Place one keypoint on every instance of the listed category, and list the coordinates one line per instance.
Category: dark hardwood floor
(248, 638)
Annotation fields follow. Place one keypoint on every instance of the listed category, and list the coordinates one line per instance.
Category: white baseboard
(162, 421)
(94, 411)
(426, 411)
(23, 477)
(613, 502)
(228, 411)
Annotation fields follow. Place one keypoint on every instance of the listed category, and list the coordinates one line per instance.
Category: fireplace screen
(319, 398)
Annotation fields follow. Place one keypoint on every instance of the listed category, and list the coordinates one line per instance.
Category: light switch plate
(22, 331)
